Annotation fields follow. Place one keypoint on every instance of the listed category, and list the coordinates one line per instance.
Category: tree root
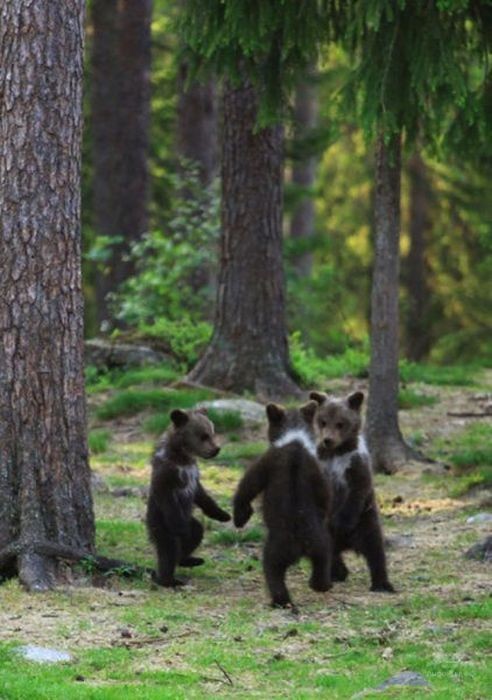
(53, 550)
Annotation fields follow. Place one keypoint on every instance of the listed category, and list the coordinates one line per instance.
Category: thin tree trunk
(196, 127)
(304, 173)
(44, 472)
(120, 124)
(249, 348)
(418, 337)
(385, 440)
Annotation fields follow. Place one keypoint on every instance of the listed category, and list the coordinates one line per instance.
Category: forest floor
(217, 637)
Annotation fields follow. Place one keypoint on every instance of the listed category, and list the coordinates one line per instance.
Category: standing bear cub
(296, 501)
(174, 489)
(346, 464)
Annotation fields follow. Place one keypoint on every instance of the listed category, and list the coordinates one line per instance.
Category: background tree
(304, 171)
(249, 346)
(44, 474)
(120, 130)
(409, 74)
(416, 273)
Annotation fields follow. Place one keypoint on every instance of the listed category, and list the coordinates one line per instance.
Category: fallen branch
(465, 414)
(60, 551)
(229, 679)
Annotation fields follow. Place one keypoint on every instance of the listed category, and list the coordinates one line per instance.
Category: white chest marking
(190, 473)
(297, 436)
(335, 467)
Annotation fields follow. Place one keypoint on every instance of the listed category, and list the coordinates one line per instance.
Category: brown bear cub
(346, 463)
(296, 501)
(174, 489)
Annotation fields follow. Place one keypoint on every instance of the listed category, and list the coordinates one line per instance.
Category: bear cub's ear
(318, 397)
(355, 400)
(308, 411)
(179, 417)
(275, 413)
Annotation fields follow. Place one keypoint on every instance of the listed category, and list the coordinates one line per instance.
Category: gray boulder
(43, 655)
(104, 354)
(481, 551)
(251, 412)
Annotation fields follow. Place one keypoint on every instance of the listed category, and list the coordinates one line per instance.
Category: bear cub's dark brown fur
(296, 501)
(346, 464)
(175, 488)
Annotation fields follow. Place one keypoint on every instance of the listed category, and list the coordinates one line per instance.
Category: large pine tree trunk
(418, 337)
(120, 124)
(44, 472)
(385, 440)
(304, 173)
(249, 349)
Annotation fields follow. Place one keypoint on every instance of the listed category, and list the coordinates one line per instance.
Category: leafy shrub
(313, 370)
(185, 338)
(172, 264)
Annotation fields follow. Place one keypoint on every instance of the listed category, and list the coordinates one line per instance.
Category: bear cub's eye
(204, 436)
(322, 423)
(340, 425)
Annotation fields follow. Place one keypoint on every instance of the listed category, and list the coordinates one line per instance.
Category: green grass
(409, 399)
(470, 454)
(99, 441)
(450, 375)
(98, 381)
(130, 402)
(225, 421)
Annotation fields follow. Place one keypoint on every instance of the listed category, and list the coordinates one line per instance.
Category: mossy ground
(218, 638)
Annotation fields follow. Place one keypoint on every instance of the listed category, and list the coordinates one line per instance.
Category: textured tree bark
(304, 173)
(249, 348)
(44, 472)
(120, 123)
(386, 444)
(418, 338)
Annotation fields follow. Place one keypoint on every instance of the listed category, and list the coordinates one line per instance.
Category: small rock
(43, 655)
(479, 518)
(251, 412)
(405, 678)
(396, 541)
(481, 551)
(397, 499)
(126, 634)
(164, 629)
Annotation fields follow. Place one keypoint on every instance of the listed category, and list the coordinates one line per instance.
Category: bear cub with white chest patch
(296, 501)
(346, 464)
(175, 488)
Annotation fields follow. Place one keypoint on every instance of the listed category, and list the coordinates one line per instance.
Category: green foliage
(408, 399)
(271, 42)
(99, 441)
(184, 338)
(132, 401)
(313, 370)
(171, 263)
(225, 421)
(99, 380)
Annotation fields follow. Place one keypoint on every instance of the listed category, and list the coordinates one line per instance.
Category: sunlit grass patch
(225, 421)
(99, 441)
(470, 453)
(234, 537)
(129, 402)
(449, 375)
(408, 399)
(232, 453)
